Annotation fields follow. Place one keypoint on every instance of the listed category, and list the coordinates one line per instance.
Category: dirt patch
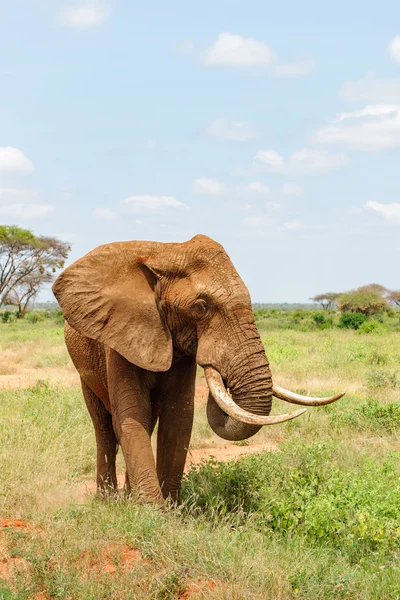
(26, 378)
(113, 559)
(11, 566)
(14, 524)
(198, 589)
(227, 452)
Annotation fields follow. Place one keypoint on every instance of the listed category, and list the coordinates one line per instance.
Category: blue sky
(273, 128)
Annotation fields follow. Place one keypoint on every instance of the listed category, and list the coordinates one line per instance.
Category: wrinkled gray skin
(139, 316)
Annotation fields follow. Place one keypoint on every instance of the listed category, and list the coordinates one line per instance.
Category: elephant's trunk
(241, 414)
(220, 395)
(249, 380)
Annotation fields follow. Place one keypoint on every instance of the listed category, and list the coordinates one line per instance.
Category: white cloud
(371, 88)
(394, 48)
(299, 68)
(232, 131)
(291, 189)
(269, 161)
(149, 204)
(303, 162)
(236, 51)
(26, 211)
(232, 50)
(293, 225)
(17, 195)
(254, 221)
(85, 14)
(245, 206)
(13, 160)
(212, 187)
(256, 186)
(105, 213)
(20, 204)
(390, 212)
(315, 162)
(376, 127)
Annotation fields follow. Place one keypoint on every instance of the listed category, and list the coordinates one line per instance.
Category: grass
(318, 519)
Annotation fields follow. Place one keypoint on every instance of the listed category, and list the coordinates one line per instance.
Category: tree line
(368, 300)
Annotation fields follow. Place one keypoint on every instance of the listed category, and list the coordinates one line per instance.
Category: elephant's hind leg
(106, 441)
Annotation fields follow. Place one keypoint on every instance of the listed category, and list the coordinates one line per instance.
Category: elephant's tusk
(288, 396)
(225, 402)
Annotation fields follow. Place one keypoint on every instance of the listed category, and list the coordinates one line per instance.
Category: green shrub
(351, 320)
(372, 416)
(35, 316)
(308, 492)
(379, 379)
(11, 317)
(5, 316)
(371, 327)
(385, 416)
(322, 321)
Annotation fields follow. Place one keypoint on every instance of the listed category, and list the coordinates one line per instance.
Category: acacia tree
(25, 292)
(375, 288)
(362, 301)
(394, 297)
(26, 263)
(327, 300)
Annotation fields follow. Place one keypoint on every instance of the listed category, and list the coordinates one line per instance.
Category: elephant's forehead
(220, 279)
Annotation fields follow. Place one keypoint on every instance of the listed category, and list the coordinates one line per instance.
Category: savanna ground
(314, 514)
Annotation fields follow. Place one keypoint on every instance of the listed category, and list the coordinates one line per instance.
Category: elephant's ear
(108, 295)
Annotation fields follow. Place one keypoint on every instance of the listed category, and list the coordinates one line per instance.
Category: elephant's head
(152, 302)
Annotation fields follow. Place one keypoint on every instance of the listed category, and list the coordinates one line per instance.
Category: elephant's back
(89, 358)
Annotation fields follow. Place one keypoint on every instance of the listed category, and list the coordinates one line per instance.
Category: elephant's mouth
(219, 392)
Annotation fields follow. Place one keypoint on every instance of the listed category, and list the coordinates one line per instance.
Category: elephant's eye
(199, 308)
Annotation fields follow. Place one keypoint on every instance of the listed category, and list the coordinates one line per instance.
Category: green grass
(318, 519)
(23, 332)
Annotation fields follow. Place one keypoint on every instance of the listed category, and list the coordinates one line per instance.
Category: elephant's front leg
(175, 393)
(132, 418)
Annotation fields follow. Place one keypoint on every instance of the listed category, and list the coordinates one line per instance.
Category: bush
(373, 416)
(9, 316)
(351, 320)
(385, 415)
(371, 327)
(34, 316)
(5, 316)
(305, 491)
(322, 321)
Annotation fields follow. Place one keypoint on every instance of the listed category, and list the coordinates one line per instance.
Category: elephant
(139, 317)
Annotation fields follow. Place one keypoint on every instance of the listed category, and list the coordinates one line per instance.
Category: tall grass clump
(46, 441)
